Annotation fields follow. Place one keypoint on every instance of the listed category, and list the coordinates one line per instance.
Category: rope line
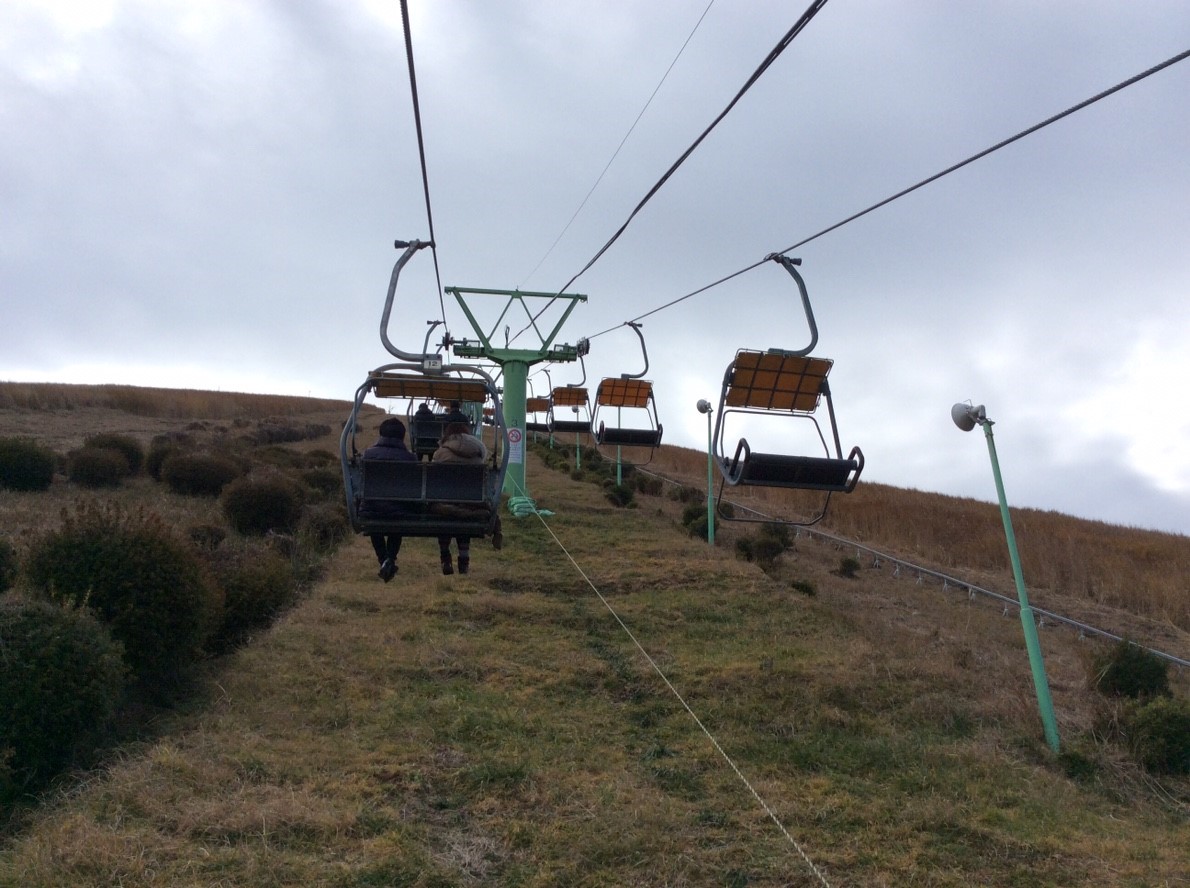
(623, 141)
(421, 151)
(902, 193)
(776, 51)
(682, 700)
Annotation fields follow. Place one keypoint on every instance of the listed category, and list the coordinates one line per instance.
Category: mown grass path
(501, 729)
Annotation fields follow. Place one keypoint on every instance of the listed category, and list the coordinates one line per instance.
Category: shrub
(621, 495)
(8, 564)
(207, 537)
(698, 528)
(805, 587)
(778, 533)
(693, 512)
(687, 494)
(1128, 670)
(764, 547)
(61, 680)
(323, 527)
(257, 505)
(199, 474)
(324, 482)
(257, 584)
(150, 589)
(1160, 735)
(25, 464)
(96, 467)
(848, 567)
(159, 452)
(126, 445)
(649, 485)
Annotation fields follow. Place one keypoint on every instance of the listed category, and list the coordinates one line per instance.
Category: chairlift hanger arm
(790, 266)
(635, 325)
(425, 359)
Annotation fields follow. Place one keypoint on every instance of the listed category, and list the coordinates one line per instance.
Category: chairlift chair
(535, 406)
(627, 391)
(415, 498)
(789, 384)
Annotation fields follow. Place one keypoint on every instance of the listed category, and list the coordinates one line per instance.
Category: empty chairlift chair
(628, 392)
(620, 394)
(570, 400)
(776, 383)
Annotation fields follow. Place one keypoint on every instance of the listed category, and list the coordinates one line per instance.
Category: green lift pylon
(515, 363)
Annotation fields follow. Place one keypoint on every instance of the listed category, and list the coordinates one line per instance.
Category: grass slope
(502, 729)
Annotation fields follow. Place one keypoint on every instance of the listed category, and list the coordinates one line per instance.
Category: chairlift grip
(790, 266)
(410, 248)
(635, 325)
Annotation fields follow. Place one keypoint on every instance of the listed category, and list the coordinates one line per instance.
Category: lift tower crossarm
(515, 363)
(486, 349)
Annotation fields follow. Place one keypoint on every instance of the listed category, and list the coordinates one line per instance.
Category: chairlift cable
(623, 141)
(1026, 132)
(421, 151)
(776, 51)
(814, 869)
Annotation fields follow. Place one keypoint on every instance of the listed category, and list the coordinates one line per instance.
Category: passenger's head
(455, 406)
(455, 428)
(392, 428)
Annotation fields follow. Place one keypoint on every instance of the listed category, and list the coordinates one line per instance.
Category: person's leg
(378, 546)
(444, 553)
(464, 554)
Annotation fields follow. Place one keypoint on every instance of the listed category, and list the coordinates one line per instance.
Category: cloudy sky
(205, 195)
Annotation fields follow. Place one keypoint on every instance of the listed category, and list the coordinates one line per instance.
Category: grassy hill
(607, 701)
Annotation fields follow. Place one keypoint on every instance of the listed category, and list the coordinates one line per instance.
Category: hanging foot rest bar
(629, 437)
(799, 472)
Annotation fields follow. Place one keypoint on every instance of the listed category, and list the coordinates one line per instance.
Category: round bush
(1160, 735)
(198, 474)
(323, 527)
(620, 495)
(324, 482)
(25, 465)
(96, 467)
(1129, 670)
(8, 564)
(257, 505)
(149, 588)
(257, 584)
(159, 452)
(131, 449)
(61, 680)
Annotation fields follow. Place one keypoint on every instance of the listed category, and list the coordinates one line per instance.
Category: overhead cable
(421, 151)
(1072, 109)
(620, 147)
(776, 51)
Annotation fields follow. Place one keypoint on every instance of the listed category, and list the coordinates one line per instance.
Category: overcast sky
(205, 195)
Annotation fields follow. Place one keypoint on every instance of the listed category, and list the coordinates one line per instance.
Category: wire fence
(900, 566)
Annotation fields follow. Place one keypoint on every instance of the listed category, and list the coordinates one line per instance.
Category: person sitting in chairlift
(390, 445)
(456, 414)
(458, 445)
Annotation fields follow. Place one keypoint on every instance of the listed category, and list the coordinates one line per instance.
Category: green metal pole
(1032, 643)
(710, 488)
(619, 463)
(516, 375)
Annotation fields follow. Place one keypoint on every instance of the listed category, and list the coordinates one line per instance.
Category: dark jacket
(389, 448)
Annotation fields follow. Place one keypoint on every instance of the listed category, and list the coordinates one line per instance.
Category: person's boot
(447, 567)
(464, 564)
